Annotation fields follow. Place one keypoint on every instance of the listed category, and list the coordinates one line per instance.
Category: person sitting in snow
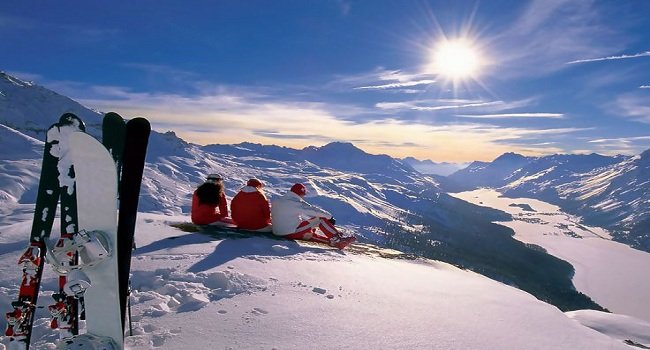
(209, 204)
(250, 208)
(294, 218)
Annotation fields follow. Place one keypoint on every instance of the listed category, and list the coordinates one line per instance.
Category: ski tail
(135, 149)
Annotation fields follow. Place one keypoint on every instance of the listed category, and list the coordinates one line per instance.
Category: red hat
(299, 189)
(255, 183)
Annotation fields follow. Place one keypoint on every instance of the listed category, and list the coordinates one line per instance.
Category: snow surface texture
(257, 293)
(611, 273)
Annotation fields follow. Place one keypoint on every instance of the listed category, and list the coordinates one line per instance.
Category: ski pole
(128, 305)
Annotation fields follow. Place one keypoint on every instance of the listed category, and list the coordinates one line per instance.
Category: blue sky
(534, 77)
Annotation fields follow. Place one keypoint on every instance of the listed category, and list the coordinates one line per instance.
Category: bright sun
(455, 59)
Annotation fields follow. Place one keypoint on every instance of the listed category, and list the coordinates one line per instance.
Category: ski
(113, 129)
(56, 172)
(96, 276)
(133, 160)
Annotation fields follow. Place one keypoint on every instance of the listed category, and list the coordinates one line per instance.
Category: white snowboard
(96, 181)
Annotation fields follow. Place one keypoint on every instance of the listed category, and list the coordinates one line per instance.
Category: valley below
(611, 273)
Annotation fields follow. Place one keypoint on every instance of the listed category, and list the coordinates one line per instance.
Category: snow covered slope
(31, 109)
(619, 193)
(193, 291)
(20, 166)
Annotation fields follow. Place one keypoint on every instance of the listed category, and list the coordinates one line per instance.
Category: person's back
(293, 218)
(286, 212)
(250, 208)
(209, 202)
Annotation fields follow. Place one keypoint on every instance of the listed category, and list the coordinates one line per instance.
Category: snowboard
(96, 277)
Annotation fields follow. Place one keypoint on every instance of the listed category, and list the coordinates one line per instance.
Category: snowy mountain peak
(336, 147)
(6, 78)
(511, 157)
(645, 157)
(428, 166)
(31, 108)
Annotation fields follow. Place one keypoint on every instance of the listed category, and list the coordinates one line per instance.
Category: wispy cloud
(226, 115)
(633, 106)
(396, 85)
(621, 145)
(451, 104)
(611, 58)
(548, 33)
(381, 79)
(416, 107)
(644, 87)
(622, 139)
(514, 115)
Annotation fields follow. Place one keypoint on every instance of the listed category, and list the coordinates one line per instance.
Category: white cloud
(416, 107)
(396, 85)
(621, 145)
(622, 139)
(448, 104)
(225, 115)
(644, 87)
(611, 58)
(514, 115)
(634, 107)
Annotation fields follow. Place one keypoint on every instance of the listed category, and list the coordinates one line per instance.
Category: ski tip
(112, 116)
(139, 122)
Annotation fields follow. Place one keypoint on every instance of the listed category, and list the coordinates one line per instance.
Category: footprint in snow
(259, 311)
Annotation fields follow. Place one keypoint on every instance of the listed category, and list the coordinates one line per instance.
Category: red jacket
(250, 209)
(205, 214)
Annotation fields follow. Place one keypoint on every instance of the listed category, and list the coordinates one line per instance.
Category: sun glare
(455, 59)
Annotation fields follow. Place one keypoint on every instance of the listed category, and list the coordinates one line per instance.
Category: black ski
(133, 159)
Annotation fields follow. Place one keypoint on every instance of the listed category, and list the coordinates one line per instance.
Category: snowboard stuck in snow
(86, 257)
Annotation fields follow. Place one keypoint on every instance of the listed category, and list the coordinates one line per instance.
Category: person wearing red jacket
(250, 208)
(209, 204)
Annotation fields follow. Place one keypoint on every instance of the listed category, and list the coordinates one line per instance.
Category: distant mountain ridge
(430, 167)
(613, 192)
(343, 156)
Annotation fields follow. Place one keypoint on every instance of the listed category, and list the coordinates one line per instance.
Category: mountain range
(381, 199)
(612, 192)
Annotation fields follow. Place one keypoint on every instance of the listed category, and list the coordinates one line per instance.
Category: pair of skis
(94, 248)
